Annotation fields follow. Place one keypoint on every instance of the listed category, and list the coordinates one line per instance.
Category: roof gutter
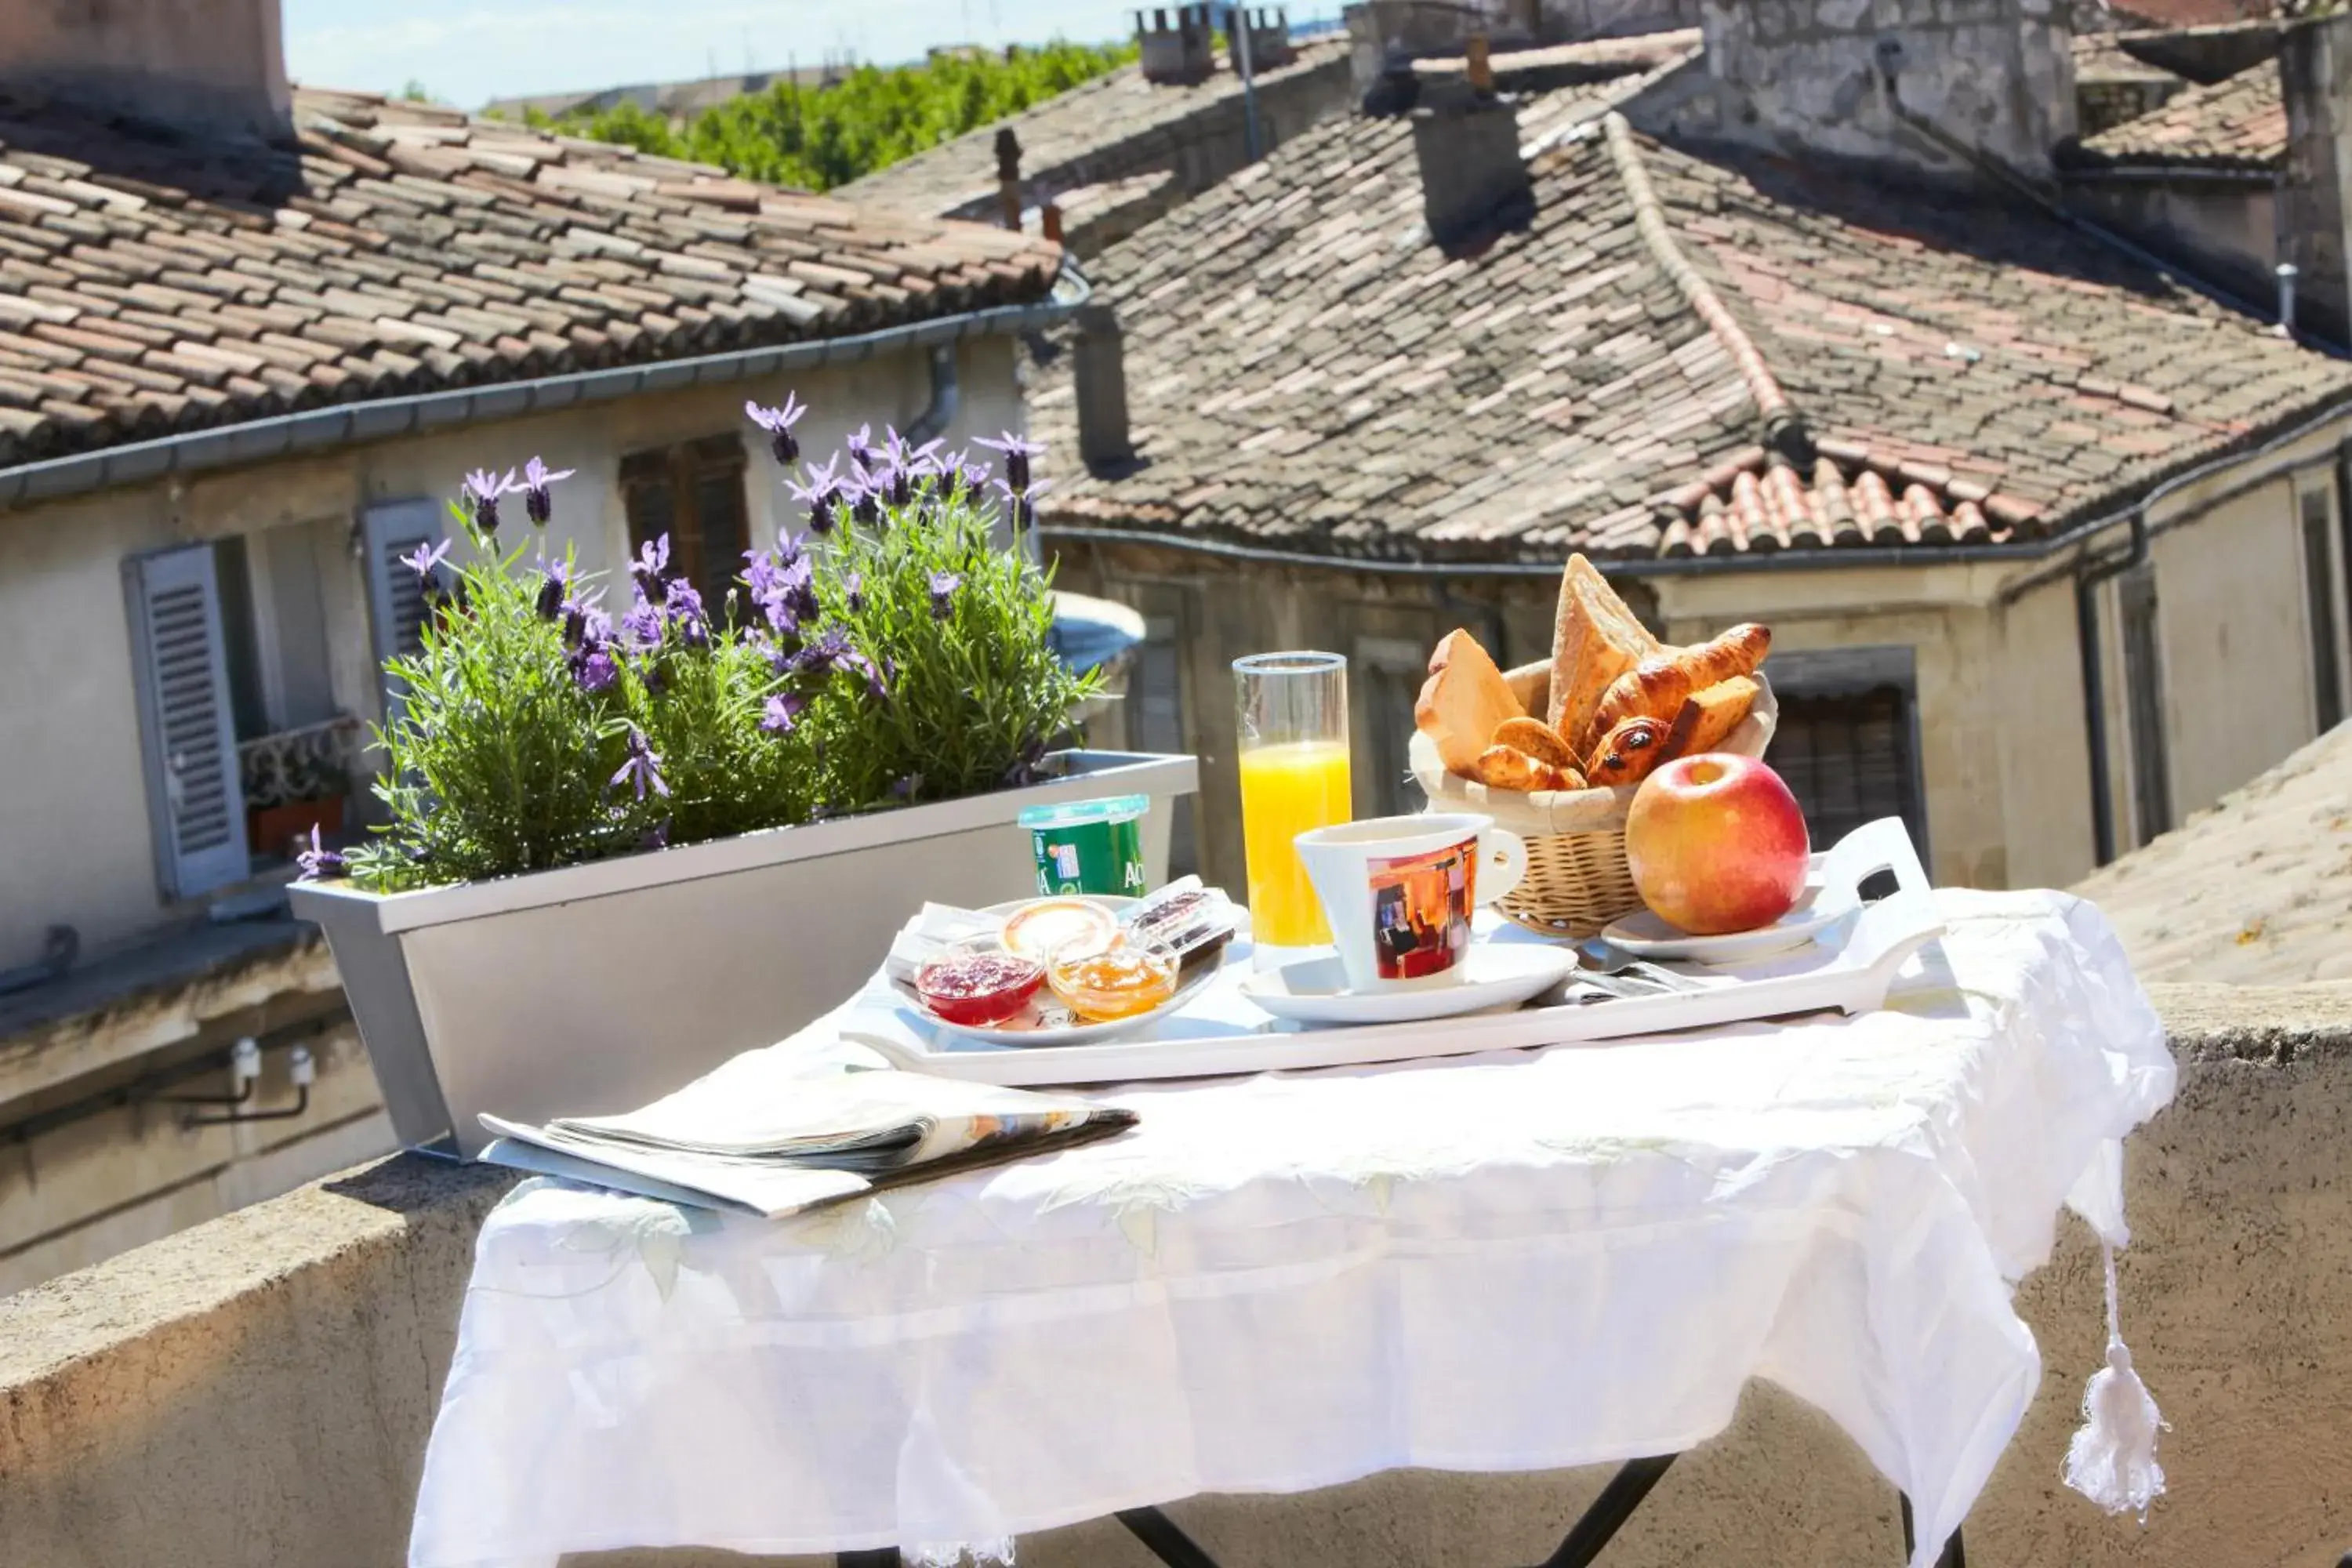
(317, 431)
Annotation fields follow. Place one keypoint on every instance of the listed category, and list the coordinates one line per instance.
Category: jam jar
(976, 984)
(1105, 981)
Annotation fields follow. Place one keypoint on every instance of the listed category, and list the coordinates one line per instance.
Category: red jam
(977, 987)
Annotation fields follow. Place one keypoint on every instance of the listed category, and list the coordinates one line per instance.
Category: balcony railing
(312, 763)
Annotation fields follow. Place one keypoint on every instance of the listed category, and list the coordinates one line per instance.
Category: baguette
(1595, 639)
(1661, 684)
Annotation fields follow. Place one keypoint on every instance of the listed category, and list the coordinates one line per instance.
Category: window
(1155, 710)
(1387, 673)
(2144, 701)
(693, 493)
(1847, 742)
(2319, 595)
(187, 722)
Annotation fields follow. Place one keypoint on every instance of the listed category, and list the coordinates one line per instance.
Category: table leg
(1166, 1542)
(1954, 1555)
(1609, 1512)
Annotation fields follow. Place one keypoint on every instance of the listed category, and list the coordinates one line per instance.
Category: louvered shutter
(189, 737)
(395, 595)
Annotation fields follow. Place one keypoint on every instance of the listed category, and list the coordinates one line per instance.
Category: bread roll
(1721, 707)
(1463, 703)
(1508, 767)
(1537, 739)
(1661, 684)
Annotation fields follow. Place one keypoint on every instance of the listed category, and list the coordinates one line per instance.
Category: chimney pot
(1099, 378)
(216, 69)
(1480, 69)
(1472, 180)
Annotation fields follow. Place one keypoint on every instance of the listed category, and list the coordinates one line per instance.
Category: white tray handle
(1874, 847)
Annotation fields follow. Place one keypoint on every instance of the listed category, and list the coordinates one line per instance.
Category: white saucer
(1315, 990)
(1644, 936)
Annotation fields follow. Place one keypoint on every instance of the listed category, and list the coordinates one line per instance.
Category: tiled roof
(2238, 123)
(1062, 130)
(2101, 57)
(2255, 892)
(1306, 372)
(150, 286)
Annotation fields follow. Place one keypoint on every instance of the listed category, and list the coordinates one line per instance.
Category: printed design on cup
(1420, 909)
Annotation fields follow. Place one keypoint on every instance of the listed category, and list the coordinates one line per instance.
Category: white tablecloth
(1523, 1261)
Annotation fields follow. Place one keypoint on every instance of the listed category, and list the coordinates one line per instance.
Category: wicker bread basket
(1577, 879)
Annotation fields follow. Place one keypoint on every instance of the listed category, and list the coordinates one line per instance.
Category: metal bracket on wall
(244, 1072)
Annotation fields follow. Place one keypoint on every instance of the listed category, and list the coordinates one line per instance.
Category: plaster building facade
(245, 359)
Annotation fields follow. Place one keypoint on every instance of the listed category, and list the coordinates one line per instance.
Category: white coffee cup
(1398, 892)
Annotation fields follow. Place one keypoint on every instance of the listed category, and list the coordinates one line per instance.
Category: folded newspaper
(767, 1133)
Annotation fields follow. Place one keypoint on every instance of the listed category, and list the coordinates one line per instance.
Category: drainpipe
(2286, 276)
(1238, 18)
(2087, 578)
(947, 396)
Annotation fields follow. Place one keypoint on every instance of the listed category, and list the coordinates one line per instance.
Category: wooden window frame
(679, 471)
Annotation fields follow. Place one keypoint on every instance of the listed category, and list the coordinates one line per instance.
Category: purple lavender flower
(593, 668)
(861, 446)
(653, 560)
(482, 489)
(537, 503)
(426, 558)
(686, 615)
(854, 585)
(641, 628)
(797, 586)
(908, 787)
(820, 657)
(821, 495)
(642, 769)
(784, 710)
(944, 588)
(1017, 453)
(657, 836)
(778, 423)
(760, 575)
(552, 587)
(319, 863)
(650, 676)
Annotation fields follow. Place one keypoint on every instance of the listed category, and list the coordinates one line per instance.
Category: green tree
(823, 137)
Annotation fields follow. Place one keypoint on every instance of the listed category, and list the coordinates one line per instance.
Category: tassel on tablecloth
(2112, 1460)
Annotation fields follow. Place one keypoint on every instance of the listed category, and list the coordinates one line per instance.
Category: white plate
(1028, 1028)
(1644, 936)
(1314, 990)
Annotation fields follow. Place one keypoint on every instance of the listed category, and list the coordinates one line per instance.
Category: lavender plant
(891, 651)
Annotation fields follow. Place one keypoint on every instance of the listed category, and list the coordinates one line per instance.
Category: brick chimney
(1099, 382)
(2315, 67)
(1178, 52)
(209, 66)
(1465, 136)
(1269, 39)
(1935, 86)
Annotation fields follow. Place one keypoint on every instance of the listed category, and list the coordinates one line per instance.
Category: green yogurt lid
(1079, 813)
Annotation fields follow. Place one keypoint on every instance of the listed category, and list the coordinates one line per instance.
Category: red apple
(1716, 843)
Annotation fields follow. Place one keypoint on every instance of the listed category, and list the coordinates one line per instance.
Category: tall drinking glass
(1294, 765)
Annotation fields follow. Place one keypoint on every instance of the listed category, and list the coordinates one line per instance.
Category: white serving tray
(1221, 1032)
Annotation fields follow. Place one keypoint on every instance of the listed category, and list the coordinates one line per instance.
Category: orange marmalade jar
(1107, 981)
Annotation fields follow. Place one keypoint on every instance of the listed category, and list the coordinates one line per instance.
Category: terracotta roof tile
(1307, 373)
(2238, 123)
(168, 285)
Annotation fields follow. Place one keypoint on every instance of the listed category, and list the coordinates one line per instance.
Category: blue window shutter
(194, 800)
(395, 596)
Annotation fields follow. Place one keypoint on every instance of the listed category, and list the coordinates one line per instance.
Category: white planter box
(597, 988)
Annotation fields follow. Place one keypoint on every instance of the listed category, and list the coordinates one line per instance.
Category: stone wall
(1851, 80)
(261, 1390)
(217, 65)
(2222, 226)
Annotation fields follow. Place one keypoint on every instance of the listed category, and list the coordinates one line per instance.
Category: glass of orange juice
(1294, 765)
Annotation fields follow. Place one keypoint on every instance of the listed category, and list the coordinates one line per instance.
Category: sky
(467, 52)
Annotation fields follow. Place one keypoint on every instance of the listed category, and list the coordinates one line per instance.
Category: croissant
(1661, 684)
(1636, 747)
(1508, 767)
